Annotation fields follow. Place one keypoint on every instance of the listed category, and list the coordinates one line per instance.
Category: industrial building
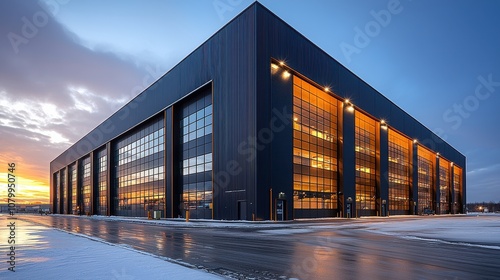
(259, 123)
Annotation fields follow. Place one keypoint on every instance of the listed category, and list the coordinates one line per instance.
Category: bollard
(149, 215)
(187, 215)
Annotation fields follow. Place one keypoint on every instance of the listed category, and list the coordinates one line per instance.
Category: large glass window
(314, 147)
(196, 154)
(85, 194)
(457, 189)
(365, 150)
(102, 165)
(65, 192)
(426, 160)
(444, 186)
(399, 172)
(73, 190)
(140, 172)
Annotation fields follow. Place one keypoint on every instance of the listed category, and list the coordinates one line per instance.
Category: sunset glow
(30, 189)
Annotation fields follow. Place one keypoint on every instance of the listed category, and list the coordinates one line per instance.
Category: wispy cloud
(53, 90)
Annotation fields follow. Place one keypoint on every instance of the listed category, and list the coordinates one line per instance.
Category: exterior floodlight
(286, 74)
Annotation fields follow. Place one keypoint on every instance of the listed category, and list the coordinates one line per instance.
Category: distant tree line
(481, 206)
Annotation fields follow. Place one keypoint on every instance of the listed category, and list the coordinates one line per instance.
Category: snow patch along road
(477, 231)
(46, 253)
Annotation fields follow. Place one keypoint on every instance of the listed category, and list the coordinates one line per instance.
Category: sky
(67, 65)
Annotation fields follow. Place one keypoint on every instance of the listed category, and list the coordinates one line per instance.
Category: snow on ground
(481, 230)
(46, 253)
(195, 223)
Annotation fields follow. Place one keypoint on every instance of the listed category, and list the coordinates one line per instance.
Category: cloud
(53, 90)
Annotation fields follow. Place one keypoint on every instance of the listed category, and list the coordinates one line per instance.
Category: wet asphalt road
(304, 250)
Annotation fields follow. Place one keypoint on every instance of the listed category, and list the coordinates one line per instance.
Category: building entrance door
(242, 210)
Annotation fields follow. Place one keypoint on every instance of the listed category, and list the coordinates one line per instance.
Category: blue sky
(66, 65)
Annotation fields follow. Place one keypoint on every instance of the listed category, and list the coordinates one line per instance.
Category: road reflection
(314, 253)
(25, 235)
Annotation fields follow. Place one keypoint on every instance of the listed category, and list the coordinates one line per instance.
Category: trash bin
(157, 215)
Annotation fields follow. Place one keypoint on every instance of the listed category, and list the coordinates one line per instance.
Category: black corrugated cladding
(277, 40)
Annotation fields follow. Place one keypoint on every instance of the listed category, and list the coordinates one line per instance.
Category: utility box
(156, 215)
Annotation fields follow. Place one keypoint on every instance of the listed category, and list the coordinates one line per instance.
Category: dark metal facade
(252, 122)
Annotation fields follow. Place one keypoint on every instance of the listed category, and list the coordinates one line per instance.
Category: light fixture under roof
(383, 124)
(286, 74)
(349, 105)
(274, 68)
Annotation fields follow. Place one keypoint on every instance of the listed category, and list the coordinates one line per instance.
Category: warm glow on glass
(399, 172)
(364, 140)
(315, 147)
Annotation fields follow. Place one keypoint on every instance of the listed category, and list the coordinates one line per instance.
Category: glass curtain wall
(365, 151)
(85, 191)
(140, 171)
(444, 186)
(57, 182)
(196, 157)
(457, 189)
(102, 187)
(73, 189)
(426, 161)
(399, 173)
(314, 150)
